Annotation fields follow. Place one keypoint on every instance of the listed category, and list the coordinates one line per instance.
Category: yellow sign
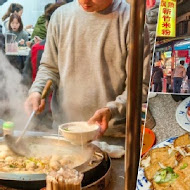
(167, 19)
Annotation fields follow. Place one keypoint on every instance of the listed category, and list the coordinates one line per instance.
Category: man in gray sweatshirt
(86, 58)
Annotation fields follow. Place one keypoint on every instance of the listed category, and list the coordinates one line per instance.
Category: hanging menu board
(167, 19)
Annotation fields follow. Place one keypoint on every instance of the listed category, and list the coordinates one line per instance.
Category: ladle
(16, 144)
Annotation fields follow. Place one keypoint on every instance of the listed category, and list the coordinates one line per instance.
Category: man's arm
(117, 109)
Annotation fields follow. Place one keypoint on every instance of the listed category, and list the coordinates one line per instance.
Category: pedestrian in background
(157, 76)
(179, 74)
(188, 77)
(13, 8)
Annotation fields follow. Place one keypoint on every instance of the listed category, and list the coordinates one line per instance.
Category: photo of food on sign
(171, 69)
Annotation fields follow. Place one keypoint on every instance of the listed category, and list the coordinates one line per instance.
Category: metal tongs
(16, 144)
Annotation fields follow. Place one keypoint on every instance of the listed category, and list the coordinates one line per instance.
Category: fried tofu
(158, 155)
(179, 184)
(151, 170)
(178, 159)
(162, 156)
(184, 172)
(162, 186)
(182, 140)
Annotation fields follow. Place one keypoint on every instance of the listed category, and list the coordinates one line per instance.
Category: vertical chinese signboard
(167, 19)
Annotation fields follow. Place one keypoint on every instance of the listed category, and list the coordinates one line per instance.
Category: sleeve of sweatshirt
(48, 68)
(118, 107)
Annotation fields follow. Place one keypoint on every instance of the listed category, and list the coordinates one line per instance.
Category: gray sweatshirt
(86, 57)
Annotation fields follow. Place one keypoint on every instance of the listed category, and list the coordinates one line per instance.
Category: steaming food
(79, 133)
(169, 167)
(43, 159)
(81, 128)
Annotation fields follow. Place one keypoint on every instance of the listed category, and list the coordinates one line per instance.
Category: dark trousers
(177, 84)
(157, 86)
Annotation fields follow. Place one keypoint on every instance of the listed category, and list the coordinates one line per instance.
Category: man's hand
(101, 117)
(34, 103)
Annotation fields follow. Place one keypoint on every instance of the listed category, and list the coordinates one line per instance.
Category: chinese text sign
(167, 19)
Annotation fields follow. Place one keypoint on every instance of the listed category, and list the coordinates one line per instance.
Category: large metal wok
(92, 172)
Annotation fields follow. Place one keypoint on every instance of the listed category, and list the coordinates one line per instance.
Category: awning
(179, 44)
(184, 45)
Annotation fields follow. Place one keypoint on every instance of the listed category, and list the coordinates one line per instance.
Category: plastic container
(149, 140)
(11, 46)
(8, 128)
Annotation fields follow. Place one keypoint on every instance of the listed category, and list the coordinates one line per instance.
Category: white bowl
(79, 133)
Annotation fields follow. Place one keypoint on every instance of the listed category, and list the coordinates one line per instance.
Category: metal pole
(134, 92)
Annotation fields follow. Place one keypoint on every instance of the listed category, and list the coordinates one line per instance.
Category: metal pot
(92, 172)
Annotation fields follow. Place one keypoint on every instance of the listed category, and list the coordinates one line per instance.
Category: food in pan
(168, 168)
(44, 158)
(64, 179)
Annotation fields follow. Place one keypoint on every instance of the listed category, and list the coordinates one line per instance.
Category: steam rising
(12, 95)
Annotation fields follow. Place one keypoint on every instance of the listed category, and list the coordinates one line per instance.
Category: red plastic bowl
(149, 140)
